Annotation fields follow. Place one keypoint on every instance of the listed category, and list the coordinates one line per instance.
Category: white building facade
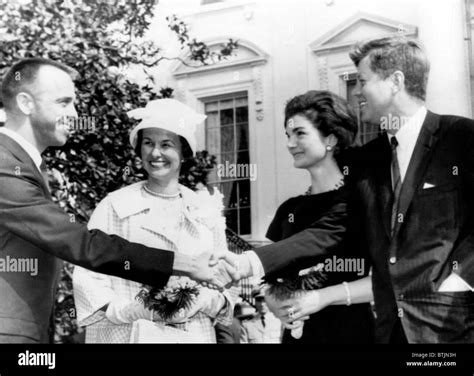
(285, 49)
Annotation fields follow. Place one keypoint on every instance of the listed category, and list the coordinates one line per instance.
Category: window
(367, 132)
(227, 137)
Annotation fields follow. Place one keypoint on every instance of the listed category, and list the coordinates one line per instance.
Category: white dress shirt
(34, 154)
(407, 136)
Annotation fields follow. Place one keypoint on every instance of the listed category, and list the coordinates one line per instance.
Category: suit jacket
(32, 227)
(433, 237)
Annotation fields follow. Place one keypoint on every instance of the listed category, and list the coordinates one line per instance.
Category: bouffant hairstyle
(328, 113)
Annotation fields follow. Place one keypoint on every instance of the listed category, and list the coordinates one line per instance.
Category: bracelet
(348, 293)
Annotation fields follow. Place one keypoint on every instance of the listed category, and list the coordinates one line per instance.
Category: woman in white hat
(161, 213)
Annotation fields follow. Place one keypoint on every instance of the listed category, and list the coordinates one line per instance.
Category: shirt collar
(410, 127)
(34, 154)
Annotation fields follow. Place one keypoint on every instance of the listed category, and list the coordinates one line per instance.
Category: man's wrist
(184, 265)
(250, 265)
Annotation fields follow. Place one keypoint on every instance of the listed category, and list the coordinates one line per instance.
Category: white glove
(123, 311)
(208, 301)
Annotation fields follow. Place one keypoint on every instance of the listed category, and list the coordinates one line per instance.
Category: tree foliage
(99, 39)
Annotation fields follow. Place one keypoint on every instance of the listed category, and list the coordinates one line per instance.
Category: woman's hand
(208, 301)
(297, 308)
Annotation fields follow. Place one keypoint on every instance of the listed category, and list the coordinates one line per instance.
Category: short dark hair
(328, 113)
(390, 54)
(186, 150)
(24, 73)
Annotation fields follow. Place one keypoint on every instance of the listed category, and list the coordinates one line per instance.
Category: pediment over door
(361, 26)
(246, 54)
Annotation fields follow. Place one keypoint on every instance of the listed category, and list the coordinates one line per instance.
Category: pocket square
(428, 185)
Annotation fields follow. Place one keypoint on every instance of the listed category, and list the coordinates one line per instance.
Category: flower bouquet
(290, 287)
(171, 301)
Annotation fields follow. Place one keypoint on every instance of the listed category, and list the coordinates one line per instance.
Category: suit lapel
(418, 163)
(20, 154)
(383, 183)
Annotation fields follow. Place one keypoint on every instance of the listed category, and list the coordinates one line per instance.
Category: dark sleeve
(228, 334)
(275, 230)
(311, 245)
(28, 214)
(463, 254)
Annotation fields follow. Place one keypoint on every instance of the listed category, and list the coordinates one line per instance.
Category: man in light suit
(414, 192)
(36, 232)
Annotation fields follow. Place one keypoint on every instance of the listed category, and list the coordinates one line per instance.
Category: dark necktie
(396, 181)
(262, 318)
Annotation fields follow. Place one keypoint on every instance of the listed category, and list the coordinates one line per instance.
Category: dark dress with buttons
(336, 324)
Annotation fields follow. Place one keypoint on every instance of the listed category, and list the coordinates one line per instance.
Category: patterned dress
(191, 223)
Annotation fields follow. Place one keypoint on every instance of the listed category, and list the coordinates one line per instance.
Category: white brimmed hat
(168, 114)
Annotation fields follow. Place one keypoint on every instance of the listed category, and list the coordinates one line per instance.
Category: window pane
(227, 116)
(227, 104)
(241, 102)
(242, 140)
(241, 115)
(231, 220)
(244, 221)
(232, 190)
(213, 140)
(227, 139)
(243, 157)
(244, 192)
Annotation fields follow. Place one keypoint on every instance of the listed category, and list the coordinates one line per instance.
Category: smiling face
(161, 154)
(306, 144)
(53, 96)
(373, 93)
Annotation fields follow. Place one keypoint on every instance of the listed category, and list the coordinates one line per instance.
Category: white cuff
(255, 264)
(123, 311)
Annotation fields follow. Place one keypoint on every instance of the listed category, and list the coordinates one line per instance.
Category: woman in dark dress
(319, 126)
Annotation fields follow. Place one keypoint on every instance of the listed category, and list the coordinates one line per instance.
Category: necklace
(338, 185)
(162, 195)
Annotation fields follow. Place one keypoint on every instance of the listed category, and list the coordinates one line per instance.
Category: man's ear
(25, 103)
(398, 81)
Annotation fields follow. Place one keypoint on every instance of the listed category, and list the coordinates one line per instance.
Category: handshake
(220, 270)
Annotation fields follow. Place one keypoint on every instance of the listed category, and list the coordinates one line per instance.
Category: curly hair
(328, 113)
(186, 150)
(389, 54)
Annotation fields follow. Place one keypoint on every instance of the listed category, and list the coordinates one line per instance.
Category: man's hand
(226, 269)
(215, 271)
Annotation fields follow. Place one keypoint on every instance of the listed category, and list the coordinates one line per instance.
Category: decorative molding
(218, 7)
(256, 57)
(323, 73)
(258, 92)
(340, 36)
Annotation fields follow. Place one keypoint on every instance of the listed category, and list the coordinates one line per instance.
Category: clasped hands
(221, 269)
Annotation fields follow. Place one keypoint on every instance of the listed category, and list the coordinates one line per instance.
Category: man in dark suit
(38, 96)
(414, 190)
